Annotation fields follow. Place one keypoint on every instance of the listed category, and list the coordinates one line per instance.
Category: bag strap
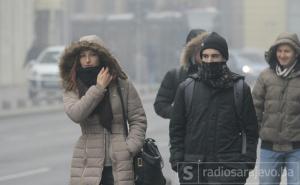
(188, 94)
(239, 96)
(123, 107)
(238, 90)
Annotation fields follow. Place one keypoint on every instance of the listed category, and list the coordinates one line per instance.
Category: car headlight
(246, 69)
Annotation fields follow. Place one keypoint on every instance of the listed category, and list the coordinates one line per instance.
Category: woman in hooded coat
(103, 153)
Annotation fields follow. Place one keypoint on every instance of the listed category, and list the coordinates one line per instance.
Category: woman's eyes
(89, 54)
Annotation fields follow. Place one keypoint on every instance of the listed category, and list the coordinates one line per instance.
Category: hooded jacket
(163, 104)
(277, 101)
(90, 150)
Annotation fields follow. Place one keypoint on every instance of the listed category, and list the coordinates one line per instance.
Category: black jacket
(210, 131)
(163, 103)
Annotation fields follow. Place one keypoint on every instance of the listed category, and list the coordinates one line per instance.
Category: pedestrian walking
(276, 97)
(189, 61)
(91, 77)
(213, 140)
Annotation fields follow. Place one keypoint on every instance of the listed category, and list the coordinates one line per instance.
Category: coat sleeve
(251, 127)
(163, 104)
(259, 93)
(137, 121)
(177, 127)
(78, 109)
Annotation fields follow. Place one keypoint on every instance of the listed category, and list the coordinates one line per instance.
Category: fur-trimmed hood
(71, 55)
(187, 55)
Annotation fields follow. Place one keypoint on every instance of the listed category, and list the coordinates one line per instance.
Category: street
(37, 148)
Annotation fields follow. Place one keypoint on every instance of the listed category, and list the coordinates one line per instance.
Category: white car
(43, 74)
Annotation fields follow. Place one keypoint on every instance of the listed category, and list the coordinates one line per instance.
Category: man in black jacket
(207, 141)
(190, 59)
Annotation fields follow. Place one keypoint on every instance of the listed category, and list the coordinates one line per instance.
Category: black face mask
(213, 70)
(88, 76)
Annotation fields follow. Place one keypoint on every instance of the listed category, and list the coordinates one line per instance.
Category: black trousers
(107, 176)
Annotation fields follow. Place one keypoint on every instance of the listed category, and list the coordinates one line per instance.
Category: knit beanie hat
(215, 41)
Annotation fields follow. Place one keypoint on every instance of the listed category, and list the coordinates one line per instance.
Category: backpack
(238, 90)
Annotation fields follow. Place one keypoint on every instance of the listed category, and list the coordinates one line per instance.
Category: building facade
(16, 36)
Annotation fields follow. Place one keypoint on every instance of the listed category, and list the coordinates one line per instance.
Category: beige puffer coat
(277, 100)
(89, 153)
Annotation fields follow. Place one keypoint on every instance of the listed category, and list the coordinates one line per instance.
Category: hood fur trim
(71, 55)
(190, 49)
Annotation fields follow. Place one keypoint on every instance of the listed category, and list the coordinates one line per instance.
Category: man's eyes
(216, 56)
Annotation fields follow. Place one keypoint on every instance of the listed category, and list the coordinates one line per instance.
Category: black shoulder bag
(147, 162)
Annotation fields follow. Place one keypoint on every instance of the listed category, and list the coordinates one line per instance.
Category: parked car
(248, 63)
(43, 74)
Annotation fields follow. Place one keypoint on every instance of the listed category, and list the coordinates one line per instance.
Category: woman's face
(89, 58)
(285, 54)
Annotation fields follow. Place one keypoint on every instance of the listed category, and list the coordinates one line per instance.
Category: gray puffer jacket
(277, 101)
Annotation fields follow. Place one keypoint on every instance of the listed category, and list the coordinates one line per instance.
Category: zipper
(84, 159)
(104, 140)
(282, 102)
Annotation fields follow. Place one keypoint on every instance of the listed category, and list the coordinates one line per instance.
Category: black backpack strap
(188, 94)
(238, 96)
(238, 90)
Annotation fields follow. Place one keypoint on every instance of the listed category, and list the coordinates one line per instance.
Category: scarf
(284, 72)
(216, 74)
(86, 78)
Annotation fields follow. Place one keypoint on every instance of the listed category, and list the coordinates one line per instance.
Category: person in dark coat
(208, 138)
(190, 59)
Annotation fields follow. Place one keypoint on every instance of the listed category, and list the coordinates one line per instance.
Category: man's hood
(189, 50)
(283, 38)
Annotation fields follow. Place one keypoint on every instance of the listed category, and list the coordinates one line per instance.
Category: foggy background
(146, 36)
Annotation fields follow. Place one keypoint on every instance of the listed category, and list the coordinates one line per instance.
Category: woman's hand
(104, 78)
